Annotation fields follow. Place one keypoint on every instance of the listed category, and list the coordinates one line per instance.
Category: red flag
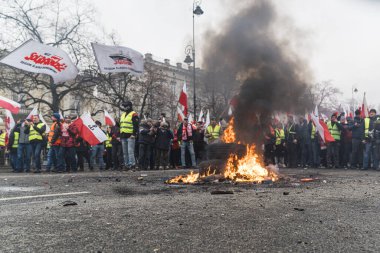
(180, 114)
(322, 129)
(327, 136)
(10, 105)
(183, 99)
(364, 111)
(108, 119)
(89, 131)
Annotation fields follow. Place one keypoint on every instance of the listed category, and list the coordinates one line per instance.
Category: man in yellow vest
(213, 132)
(36, 132)
(108, 145)
(12, 147)
(129, 127)
(2, 146)
(279, 145)
(335, 129)
(371, 125)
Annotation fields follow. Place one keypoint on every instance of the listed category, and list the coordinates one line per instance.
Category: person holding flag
(36, 131)
(56, 151)
(129, 127)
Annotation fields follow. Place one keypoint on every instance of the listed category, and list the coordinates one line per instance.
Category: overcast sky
(340, 39)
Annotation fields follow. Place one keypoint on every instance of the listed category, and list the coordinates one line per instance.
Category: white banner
(118, 59)
(39, 58)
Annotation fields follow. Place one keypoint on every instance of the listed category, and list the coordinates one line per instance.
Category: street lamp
(353, 100)
(191, 49)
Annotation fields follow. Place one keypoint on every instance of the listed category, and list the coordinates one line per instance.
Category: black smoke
(270, 76)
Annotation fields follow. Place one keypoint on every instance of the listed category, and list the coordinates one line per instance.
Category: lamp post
(353, 90)
(191, 49)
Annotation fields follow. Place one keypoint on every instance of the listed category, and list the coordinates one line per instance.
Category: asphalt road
(118, 212)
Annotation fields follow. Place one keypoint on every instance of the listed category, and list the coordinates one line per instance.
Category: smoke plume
(271, 78)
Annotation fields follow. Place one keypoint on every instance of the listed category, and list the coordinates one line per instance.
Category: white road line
(44, 196)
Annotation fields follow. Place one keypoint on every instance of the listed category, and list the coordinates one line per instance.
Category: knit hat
(56, 115)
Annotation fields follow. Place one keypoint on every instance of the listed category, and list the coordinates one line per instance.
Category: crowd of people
(133, 143)
(355, 144)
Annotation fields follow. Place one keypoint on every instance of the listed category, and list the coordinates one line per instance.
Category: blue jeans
(97, 153)
(189, 145)
(128, 146)
(36, 153)
(56, 154)
(369, 154)
(51, 160)
(24, 152)
(13, 158)
(315, 147)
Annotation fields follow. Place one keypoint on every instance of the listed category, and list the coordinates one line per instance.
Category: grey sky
(339, 39)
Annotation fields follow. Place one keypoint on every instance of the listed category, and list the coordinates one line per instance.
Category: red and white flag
(180, 114)
(183, 100)
(9, 121)
(322, 129)
(10, 105)
(35, 57)
(32, 113)
(200, 117)
(364, 111)
(108, 119)
(112, 59)
(207, 123)
(89, 131)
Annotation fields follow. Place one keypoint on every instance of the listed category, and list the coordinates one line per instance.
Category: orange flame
(246, 169)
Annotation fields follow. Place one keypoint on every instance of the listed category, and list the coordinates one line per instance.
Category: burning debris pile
(248, 168)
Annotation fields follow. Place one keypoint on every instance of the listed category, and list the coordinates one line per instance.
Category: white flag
(35, 57)
(207, 119)
(47, 130)
(200, 116)
(230, 110)
(89, 131)
(32, 113)
(190, 118)
(316, 113)
(108, 120)
(118, 59)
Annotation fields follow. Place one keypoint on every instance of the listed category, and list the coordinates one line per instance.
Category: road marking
(44, 196)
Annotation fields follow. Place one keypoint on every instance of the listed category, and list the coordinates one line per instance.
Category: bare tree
(64, 24)
(324, 95)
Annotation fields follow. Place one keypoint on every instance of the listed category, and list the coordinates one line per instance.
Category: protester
(199, 142)
(97, 153)
(108, 145)
(68, 138)
(291, 143)
(162, 145)
(56, 152)
(213, 132)
(129, 127)
(185, 135)
(280, 145)
(335, 129)
(356, 128)
(117, 151)
(304, 137)
(36, 131)
(24, 150)
(2, 146)
(83, 152)
(145, 141)
(12, 147)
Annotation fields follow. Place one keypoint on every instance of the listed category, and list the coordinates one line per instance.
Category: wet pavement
(338, 211)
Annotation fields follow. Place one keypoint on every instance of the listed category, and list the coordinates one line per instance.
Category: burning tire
(221, 151)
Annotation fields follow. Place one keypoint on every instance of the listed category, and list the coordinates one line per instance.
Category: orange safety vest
(51, 133)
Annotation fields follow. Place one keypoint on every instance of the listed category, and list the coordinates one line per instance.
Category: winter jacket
(68, 140)
(146, 136)
(163, 139)
(357, 128)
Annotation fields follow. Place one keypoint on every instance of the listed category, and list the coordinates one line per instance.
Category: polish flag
(181, 116)
(207, 123)
(108, 119)
(183, 99)
(89, 131)
(9, 121)
(364, 112)
(32, 113)
(322, 129)
(10, 105)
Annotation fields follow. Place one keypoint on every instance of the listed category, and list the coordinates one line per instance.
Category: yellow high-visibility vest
(215, 132)
(126, 124)
(15, 140)
(312, 132)
(108, 141)
(2, 139)
(33, 134)
(280, 135)
(334, 131)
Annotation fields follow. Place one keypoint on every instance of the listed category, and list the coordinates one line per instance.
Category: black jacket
(164, 136)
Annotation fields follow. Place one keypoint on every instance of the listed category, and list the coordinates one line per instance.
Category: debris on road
(219, 192)
(299, 209)
(69, 203)
(140, 178)
(308, 179)
(285, 193)
(118, 180)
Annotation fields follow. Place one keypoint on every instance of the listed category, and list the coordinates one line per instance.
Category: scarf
(187, 131)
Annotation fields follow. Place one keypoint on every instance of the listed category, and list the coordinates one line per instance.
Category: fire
(246, 169)
(190, 178)
(229, 135)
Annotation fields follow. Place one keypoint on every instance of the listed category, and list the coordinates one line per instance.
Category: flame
(246, 169)
(229, 135)
(190, 178)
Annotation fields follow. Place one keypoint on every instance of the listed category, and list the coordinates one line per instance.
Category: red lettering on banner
(123, 62)
(53, 61)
